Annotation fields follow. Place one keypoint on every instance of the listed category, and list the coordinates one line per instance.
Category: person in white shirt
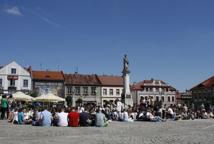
(126, 117)
(63, 118)
(170, 113)
(15, 118)
(119, 106)
(153, 118)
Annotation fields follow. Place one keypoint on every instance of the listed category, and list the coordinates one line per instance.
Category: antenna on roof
(76, 70)
(40, 66)
(58, 67)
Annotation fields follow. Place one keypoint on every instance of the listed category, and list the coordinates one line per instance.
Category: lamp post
(96, 96)
(73, 100)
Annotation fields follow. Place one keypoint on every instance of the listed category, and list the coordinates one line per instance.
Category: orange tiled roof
(80, 79)
(111, 80)
(206, 84)
(48, 75)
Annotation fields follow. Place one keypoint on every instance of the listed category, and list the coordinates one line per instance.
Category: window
(12, 82)
(77, 90)
(25, 83)
(147, 89)
(0, 82)
(173, 99)
(104, 91)
(162, 98)
(93, 91)
(157, 89)
(13, 71)
(111, 92)
(85, 90)
(168, 99)
(118, 91)
(69, 90)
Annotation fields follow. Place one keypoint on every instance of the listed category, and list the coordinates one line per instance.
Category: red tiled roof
(111, 80)
(80, 79)
(206, 84)
(48, 75)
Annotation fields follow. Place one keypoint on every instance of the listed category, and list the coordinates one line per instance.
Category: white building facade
(13, 78)
(111, 88)
(157, 89)
(110, 94)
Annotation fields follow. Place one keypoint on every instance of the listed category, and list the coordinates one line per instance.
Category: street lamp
(73, 100)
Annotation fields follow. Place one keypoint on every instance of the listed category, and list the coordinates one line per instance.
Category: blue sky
(171, 40)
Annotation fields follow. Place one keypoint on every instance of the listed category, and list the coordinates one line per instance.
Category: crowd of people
(93, 115)
(150, 110)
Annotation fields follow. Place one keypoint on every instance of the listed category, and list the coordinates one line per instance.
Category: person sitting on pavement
(55, 117)
(100, 119)
(126, 116)
(170, 113)
(15, 116)
(35, 118)
(63, 118)
(20, 116)
(73, 118)
(84, 119)
(27, 116)
(46, 117)
(153, 118)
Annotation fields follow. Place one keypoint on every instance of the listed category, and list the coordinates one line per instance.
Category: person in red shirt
(73, 118)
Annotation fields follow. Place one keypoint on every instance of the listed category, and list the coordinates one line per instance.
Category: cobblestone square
(170, 132)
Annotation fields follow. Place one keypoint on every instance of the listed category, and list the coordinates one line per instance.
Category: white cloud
(14, 11)
(41, 17)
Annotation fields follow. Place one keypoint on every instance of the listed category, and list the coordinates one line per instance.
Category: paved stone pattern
(180, 132)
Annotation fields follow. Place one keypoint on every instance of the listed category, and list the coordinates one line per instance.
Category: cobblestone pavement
(170, 132)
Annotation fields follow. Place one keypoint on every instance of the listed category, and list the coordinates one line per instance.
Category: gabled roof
(205, 84)
(111, 80)
(17, 64)
(81, 79)
(48, 75)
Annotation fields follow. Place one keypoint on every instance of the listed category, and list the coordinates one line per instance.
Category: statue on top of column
(125, 65)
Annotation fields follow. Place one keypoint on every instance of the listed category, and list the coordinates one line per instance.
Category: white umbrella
(49, 98)
(22, 96)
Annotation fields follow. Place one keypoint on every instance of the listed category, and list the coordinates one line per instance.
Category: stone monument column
(126, 97)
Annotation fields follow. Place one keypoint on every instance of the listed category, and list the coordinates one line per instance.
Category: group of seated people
(64, 117)
(93, 115)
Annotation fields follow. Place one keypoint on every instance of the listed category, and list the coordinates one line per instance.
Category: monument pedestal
(127, 96)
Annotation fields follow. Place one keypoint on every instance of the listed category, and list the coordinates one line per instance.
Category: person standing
(119, 105)
(4, 106)
(73, 118)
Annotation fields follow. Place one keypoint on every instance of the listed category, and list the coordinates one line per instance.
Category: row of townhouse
(88, 88)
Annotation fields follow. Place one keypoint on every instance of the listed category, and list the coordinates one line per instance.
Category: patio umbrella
(22, 96)
(49, 98)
